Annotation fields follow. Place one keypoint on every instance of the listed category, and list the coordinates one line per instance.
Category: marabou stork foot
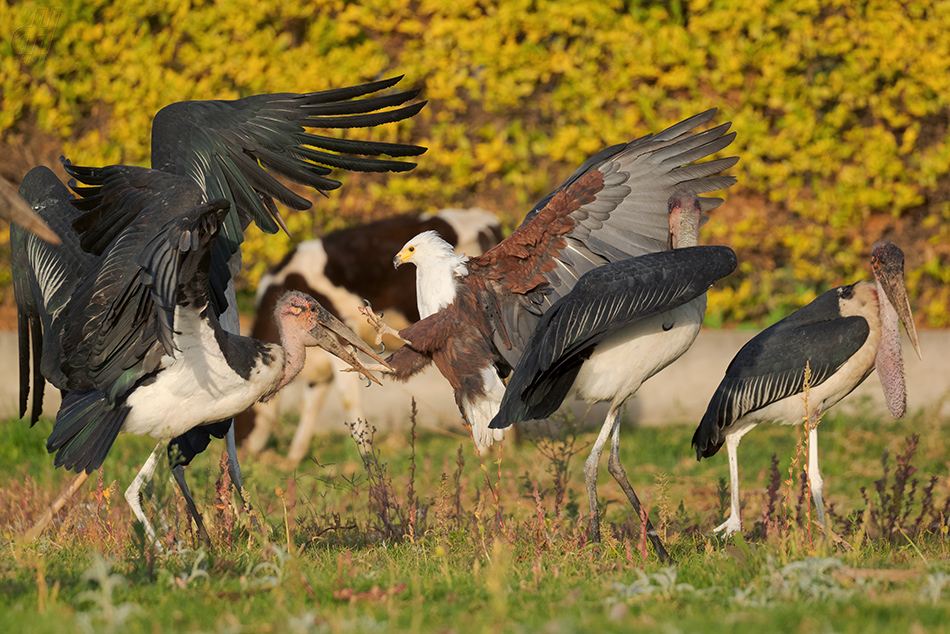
(730, 527)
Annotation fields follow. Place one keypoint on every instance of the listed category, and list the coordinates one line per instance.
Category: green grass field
(414, 540)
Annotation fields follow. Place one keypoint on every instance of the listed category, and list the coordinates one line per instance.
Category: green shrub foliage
(841, 110)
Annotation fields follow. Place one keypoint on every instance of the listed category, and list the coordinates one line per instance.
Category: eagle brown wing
(614, 207)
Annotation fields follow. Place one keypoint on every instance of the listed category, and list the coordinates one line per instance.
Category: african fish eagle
(482, 310)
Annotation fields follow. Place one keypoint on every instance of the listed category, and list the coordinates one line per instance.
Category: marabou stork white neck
(437, 268)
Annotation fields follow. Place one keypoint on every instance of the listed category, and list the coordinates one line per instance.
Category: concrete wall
(678, 394)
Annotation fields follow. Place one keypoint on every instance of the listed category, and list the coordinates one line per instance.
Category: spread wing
(603, 301)
(771, 366)
(613, 208)
(45, 276)
(232, 148)
(120, 319)
(120, 322)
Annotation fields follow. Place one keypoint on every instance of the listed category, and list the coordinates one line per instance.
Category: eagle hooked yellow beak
(403, 256)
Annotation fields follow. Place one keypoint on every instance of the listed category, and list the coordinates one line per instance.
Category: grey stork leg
(620, 475)
(814, 476)
(234, 469)
(590, 475)
(133, 493)
(179, 474)
(733, 523)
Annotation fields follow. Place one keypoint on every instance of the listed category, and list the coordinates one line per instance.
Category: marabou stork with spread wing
(840, 337)
(621, 324)
(217, 153)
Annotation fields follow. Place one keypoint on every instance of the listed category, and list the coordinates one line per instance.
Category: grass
(411, 539)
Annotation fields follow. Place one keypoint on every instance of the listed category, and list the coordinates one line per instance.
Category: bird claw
(376, 321)
(372, 367)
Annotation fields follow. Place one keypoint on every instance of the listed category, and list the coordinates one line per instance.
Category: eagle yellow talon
(376, 321)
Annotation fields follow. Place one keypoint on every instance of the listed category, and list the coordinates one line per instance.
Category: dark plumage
(348, 266)
(621, 324)
(127, 334)
(603, 302)
(482, 312)
(144, 249)
(840, 337)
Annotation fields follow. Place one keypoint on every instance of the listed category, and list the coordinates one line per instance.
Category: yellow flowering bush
(841, 110)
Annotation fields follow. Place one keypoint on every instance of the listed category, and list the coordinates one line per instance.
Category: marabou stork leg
(234, 470)
(133, 493)
(620, 475)
(590, 474)
(178, 472)
(814, 477)
(733, 523)
(54, 508)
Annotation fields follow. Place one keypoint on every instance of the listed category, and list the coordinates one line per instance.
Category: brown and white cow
(340, 271)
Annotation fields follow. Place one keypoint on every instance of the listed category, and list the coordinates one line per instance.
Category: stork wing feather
(602, 302)
(225, 146)
(45, 276)
(771, 366)
(613, 208)
(125, 314)
(129, 318)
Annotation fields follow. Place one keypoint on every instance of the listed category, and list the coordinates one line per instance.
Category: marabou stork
(622, 323)
(130, 336)
(841, 337)
(482, 311)
(228, 150)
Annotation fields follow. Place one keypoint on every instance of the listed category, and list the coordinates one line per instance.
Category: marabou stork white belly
(197, 384)
(791, 410)
(639, 351)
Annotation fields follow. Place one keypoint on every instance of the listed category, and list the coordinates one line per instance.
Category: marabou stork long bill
(15, 209)
(482, 311)
(841, 337)
(134, 317)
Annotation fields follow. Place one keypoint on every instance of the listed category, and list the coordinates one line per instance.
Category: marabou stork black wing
(771, 366)
(45, 277)
(128, 306)
(613, 208)
(125, 312)
(602, 302)
(225, 146)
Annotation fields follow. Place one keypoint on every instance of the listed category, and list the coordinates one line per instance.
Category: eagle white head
(437, 267)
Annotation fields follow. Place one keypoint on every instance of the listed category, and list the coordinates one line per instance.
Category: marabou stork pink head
(304, 322)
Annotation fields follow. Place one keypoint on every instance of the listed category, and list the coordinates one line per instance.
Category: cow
(339, 271)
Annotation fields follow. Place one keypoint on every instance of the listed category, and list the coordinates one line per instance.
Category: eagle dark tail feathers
(86, 427)
(708, 437)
